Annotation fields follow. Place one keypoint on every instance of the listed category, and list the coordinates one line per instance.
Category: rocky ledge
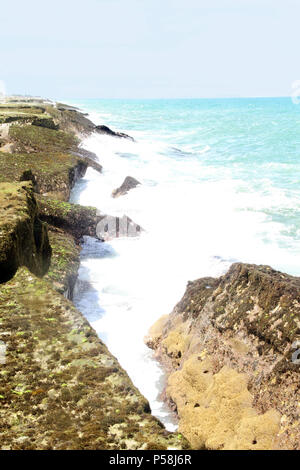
(60, 388)
(231, 348)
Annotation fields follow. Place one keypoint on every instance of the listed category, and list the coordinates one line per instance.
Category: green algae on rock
(51, 176)
(48, 155)
(32, 139)
(73, 218)
(23, 237)
(60, 386)
(228, 347)
(65, 260)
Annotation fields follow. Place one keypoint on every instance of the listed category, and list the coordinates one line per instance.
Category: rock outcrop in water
(107, 131)
(60, 388)
(232, 348)
(128, 184)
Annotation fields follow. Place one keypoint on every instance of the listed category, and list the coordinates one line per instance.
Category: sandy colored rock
(243, 329)
(215, 410)
(155, 333)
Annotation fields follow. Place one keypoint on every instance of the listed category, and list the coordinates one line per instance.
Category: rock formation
(106, 130)
(23, 237)
(230, 348)
(128, 184)
(60, 388)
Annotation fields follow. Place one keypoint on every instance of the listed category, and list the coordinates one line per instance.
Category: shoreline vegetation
(227, 347)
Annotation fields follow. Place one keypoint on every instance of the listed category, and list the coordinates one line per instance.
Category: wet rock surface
(229, 349)
(107, 131)
(128, 184)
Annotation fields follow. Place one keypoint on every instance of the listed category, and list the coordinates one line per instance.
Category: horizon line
(178, 98)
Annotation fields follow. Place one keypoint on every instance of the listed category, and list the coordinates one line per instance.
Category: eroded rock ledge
(23, 237)
(60, 388)
(228, 347)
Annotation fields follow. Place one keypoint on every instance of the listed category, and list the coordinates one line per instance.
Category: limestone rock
(242, 332)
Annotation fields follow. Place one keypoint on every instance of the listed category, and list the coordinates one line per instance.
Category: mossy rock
(65, 261)
(23, 237)
(33, 139)
(265, 301)
(72, 218)
(34, 115)
(50, 173)
(57, 393)
(60, 388)
(71, 120)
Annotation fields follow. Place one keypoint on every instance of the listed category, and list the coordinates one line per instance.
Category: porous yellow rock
(176, 343)
(216, 410)
(155, 332)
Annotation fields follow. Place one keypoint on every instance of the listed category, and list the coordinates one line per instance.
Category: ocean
(220, 183)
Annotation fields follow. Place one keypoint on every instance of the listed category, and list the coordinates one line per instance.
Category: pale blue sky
(150, 48)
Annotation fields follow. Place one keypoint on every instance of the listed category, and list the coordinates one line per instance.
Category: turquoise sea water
(254, 143)
(220, 183)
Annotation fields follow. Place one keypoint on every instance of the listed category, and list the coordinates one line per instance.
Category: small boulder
(106, 130)
(128, 183)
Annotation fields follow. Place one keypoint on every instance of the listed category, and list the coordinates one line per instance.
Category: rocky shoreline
(229, 347)
(60, 388)
(230, 350)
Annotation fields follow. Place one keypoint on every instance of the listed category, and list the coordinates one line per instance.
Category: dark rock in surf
(128, 184)
(106, 130)
(90, 157)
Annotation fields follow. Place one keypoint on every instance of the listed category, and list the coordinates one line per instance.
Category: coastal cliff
(60, 387)
(230, 350)
(230, 347)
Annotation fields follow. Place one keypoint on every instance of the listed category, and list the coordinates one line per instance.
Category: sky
(149, 48)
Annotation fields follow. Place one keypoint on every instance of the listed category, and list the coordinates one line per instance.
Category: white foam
(196, 224)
